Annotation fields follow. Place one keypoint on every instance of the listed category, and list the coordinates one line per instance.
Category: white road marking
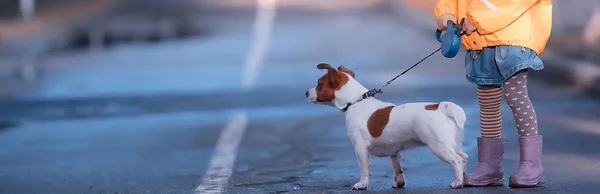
(591, 32)
(223, 158)
(27, 8)
(263, 24)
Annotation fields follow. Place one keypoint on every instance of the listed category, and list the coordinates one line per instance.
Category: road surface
(174, 118)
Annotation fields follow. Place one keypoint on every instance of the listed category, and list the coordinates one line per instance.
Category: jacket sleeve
(444, 7)
(487, 20)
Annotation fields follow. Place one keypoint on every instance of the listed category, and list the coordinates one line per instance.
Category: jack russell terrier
(384, 129)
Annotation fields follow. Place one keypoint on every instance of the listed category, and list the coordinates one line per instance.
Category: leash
(373, 92)
(450, 47)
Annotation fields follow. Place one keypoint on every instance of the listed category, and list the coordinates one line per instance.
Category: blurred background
(201, 96)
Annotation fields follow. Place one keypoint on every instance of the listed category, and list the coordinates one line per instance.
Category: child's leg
(517, 97)
(513, 63)
(490, 145)
(490, 115)
(530, 171)
(481, 70)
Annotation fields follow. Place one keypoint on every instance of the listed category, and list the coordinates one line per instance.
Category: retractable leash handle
(450, 41)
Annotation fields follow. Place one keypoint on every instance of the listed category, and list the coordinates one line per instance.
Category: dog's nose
(306, 93)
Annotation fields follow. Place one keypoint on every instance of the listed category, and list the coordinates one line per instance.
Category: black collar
(366, 95)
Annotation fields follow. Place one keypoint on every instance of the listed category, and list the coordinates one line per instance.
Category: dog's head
(336, 88)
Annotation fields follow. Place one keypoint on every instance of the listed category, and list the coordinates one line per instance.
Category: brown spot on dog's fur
(432, 106)
(346, 70)
(332, 81)
(378, 120)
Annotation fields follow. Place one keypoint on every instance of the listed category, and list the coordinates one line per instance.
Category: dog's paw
(457, 184)
(359, 186)
(398, 184)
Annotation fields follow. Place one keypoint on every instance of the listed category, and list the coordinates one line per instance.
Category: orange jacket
(525, 23)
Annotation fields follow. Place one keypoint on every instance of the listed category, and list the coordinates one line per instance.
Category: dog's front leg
(364, 161)
(398, 172)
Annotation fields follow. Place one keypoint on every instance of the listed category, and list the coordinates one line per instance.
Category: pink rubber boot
(530, 172)
(489, 168)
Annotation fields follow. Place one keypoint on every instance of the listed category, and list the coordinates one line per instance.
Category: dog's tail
(455, 112)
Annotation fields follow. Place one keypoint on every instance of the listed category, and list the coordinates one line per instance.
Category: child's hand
(468, 27)
(442, 21)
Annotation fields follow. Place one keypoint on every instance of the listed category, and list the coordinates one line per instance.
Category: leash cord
(376, 91)
(410, 68)
(373, 92)
(460, 33)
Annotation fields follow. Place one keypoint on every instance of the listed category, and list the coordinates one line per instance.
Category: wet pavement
(145, 118)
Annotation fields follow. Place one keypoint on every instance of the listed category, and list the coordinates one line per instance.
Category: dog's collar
(366, 95)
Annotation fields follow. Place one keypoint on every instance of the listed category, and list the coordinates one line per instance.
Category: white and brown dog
(384, 129)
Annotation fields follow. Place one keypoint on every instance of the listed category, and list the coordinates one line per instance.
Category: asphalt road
(146, 118)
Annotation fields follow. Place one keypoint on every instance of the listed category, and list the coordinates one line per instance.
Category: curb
(558, 68)
(49, 30)
(315, 5)
(23, 45)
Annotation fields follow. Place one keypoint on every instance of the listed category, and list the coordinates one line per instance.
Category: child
(503, 40)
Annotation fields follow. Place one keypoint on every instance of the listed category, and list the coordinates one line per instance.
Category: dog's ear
(324, 66)
(346, 70)
(332, 74)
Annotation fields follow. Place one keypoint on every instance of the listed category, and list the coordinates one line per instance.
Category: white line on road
(223, 158)
(265, 17)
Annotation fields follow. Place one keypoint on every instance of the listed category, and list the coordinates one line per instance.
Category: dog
(383, 129)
